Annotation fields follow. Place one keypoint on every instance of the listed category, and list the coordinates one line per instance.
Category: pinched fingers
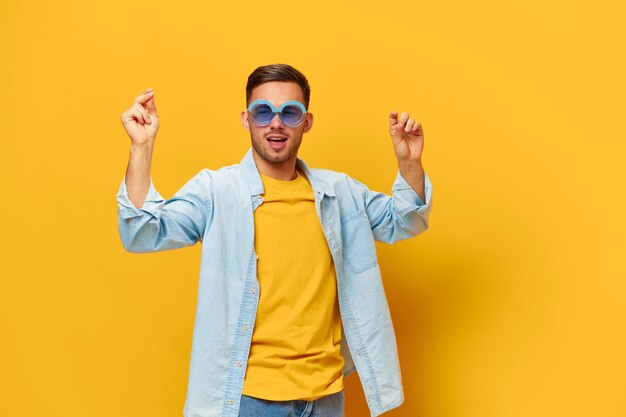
(145, 96)
(140, 113)
(412, 126)
(402, 123)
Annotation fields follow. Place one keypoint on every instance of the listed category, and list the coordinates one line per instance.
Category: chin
(277, 159)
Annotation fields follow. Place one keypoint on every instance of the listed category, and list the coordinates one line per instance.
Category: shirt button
(251, 290)
(245, 327)
(231, 401)
(360, 354)
(238, 363)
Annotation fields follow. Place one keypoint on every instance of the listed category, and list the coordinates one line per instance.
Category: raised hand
(407, 136)
(141, 120)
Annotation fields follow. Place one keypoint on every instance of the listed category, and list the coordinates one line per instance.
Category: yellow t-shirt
(295, 351)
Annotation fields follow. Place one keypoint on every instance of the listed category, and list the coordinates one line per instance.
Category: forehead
(277, 92)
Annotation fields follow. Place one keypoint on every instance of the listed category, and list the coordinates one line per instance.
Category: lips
(277, 142)
(276, 138)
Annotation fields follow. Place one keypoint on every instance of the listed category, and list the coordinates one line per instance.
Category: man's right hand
(141, 120)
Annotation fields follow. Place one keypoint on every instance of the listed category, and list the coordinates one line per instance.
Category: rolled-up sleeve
(406, 194)
(401, 215)
(162, 224)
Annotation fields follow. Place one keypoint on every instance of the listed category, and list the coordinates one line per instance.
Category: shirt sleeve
(399, 216)
(162, 224)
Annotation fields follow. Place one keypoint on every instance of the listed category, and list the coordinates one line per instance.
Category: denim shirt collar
(252, 177)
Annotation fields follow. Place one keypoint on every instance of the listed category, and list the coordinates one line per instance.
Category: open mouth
(277, 139)
(278, 143)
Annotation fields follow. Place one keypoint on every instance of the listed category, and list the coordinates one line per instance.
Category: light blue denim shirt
(216, 207)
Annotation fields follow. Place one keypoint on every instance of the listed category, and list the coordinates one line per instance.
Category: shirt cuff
(407, 192)
(126, 207)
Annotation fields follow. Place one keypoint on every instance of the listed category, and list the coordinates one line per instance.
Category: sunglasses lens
(292, 115)
(262, 113)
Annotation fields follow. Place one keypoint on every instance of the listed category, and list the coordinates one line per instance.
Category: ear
(244, 120)
(308, 122)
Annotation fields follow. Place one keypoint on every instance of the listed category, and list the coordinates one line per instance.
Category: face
(276, 144)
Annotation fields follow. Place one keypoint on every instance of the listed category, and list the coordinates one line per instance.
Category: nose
(276, 122)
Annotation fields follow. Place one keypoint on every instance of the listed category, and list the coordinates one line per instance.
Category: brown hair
(278, 72)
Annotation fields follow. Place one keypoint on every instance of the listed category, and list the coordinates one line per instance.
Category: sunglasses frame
(278, 111)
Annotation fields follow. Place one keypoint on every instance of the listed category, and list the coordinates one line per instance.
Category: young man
(290, 295)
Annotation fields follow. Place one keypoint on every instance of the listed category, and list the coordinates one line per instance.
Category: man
(290, 295)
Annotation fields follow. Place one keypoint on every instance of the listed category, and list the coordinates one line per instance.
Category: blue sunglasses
(291, 113)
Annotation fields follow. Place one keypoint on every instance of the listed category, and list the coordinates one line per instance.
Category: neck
(283, 171)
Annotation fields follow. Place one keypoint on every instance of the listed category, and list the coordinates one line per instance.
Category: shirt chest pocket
(359, 250)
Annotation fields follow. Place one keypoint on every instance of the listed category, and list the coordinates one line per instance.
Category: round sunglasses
(291, 113)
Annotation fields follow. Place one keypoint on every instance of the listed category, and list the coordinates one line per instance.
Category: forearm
(138, 173)
(413, 174)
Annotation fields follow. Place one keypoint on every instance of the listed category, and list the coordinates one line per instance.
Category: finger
(151, 107)
(403, 118)
(393, 118)
(409, 125)
(139, 116)
(144, 113)
(142, 98)
(417, 126)
(136, 114)
(144, 117)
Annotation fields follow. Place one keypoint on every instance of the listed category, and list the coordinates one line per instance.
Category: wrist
(142, 147)
(410, 165)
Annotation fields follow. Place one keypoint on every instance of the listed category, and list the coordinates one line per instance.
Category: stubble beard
(265, 154)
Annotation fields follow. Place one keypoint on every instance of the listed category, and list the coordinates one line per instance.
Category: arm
(414, 175)
(137, 179)
(141, 123)
(146, 221)
(406, 212)
(399, 216)
(161, 224)
(407, 137)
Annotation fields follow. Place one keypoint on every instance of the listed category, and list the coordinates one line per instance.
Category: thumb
(393, 118)
(151, 106)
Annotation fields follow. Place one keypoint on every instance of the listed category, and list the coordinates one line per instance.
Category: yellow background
(512, 304)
